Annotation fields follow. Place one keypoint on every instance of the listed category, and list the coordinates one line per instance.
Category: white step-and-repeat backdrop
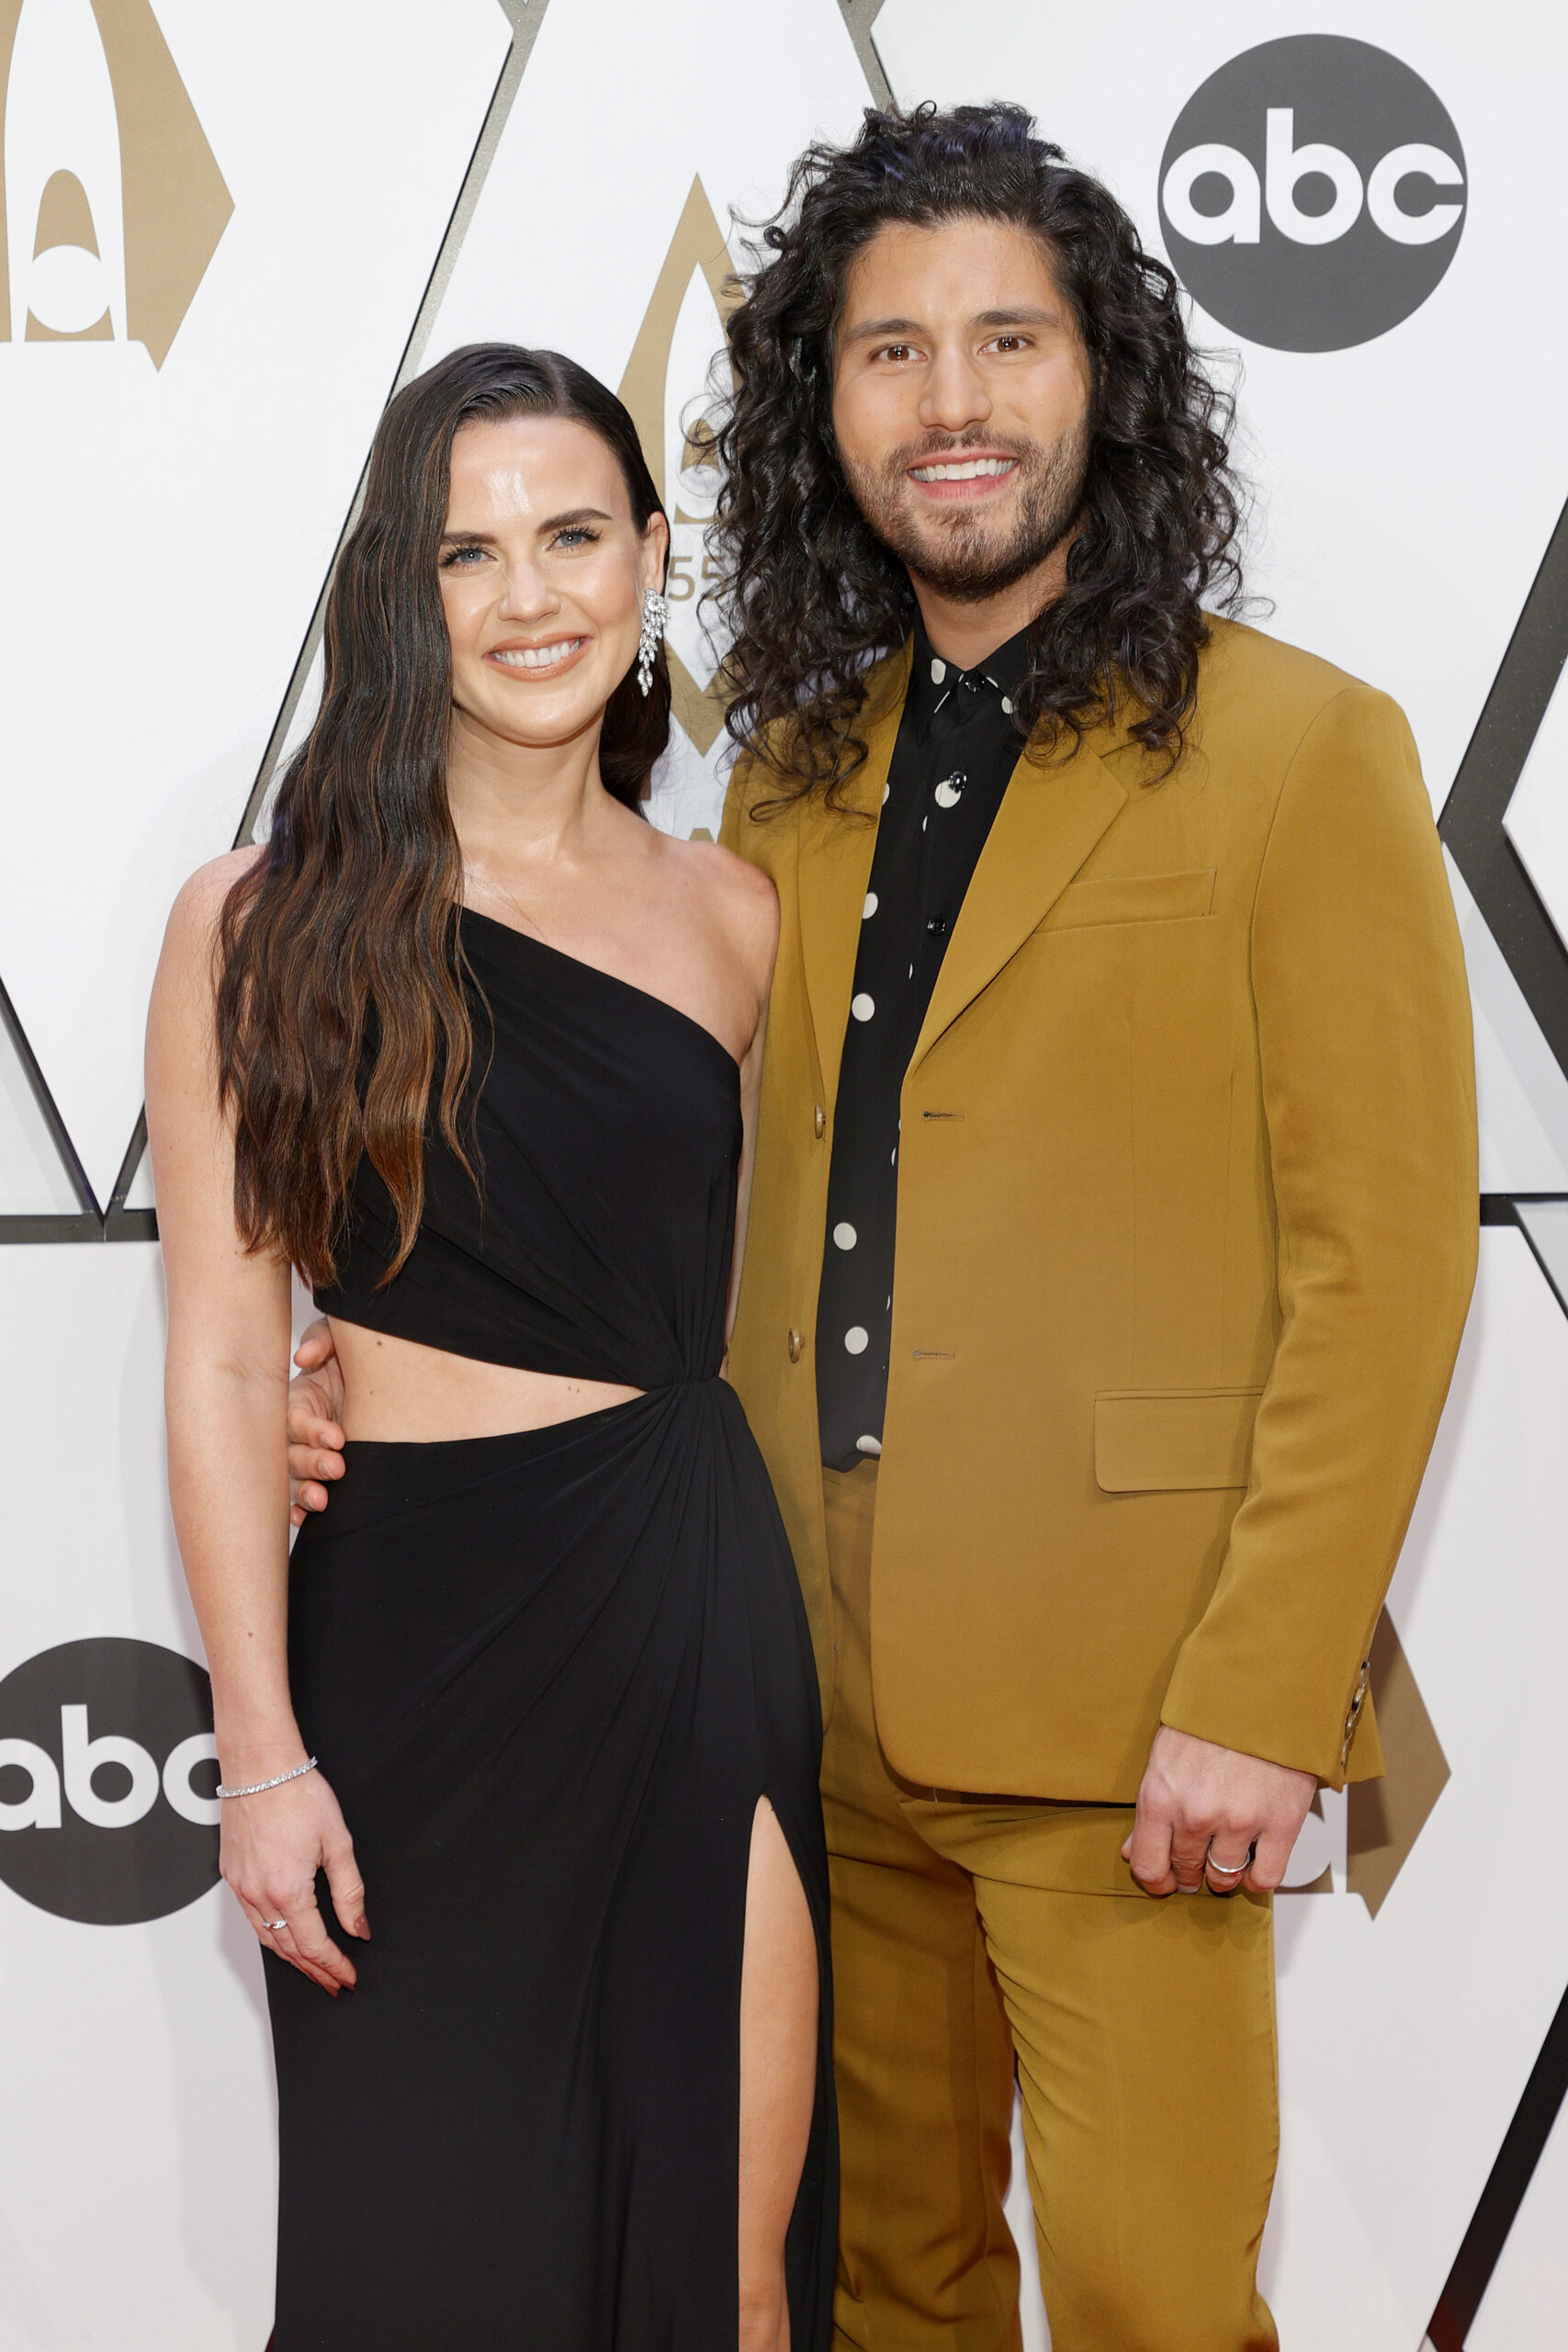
(229, 228)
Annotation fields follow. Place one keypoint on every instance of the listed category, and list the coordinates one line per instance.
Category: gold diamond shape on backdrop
(698, 244)
(176, 203)
(1385, 1817)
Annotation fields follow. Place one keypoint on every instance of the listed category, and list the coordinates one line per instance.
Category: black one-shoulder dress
(549, 1675)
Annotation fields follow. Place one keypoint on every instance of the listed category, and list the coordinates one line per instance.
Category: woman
(478, 1050)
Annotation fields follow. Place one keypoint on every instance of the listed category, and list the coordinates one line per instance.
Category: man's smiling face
(960, 401)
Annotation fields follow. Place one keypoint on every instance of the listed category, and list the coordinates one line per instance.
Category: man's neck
(966, 633)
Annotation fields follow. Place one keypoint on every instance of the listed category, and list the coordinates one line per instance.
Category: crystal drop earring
(655, 615)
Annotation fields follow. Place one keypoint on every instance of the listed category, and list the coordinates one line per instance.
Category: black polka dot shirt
(958, 744)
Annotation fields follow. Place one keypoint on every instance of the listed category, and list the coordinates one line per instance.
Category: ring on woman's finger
(273, 1925)
(1229, 1869)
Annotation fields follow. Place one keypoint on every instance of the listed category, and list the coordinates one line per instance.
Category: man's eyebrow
(875, 330)
(1026, 314)
(1023, 314)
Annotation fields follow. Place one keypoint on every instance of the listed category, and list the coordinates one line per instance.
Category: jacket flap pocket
(1134, 898)
(1152, 1437)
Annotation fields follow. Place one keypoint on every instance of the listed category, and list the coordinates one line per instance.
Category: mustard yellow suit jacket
(1187, 1232)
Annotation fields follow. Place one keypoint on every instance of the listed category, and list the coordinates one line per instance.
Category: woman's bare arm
(226, 1383)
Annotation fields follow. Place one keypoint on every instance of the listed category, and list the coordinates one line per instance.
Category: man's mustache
(936, 446)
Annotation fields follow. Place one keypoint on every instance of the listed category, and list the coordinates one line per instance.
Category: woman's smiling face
(542, 572)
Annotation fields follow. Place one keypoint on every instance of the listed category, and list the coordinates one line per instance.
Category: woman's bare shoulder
(731, 885)
(733, 896)
(192, 928)
(200, 900)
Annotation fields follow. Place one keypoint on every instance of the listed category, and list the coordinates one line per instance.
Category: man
(1112, 1229)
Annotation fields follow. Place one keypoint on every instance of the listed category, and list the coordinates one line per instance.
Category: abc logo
(1312, 193)
(107, 1768)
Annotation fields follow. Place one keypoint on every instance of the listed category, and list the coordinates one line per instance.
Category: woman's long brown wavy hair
(339, 946)
(812, 595)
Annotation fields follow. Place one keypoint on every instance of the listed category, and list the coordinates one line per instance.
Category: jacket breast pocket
(1132, 897)
(1172, 1438)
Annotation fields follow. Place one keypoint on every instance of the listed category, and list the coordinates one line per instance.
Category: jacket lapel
(835, 849)
(1050, 819)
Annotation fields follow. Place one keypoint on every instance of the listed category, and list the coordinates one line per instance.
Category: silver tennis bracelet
(256, 1787)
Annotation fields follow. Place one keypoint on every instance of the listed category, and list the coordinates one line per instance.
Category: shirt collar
(932, 680)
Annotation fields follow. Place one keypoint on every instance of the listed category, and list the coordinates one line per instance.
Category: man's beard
(960, 554)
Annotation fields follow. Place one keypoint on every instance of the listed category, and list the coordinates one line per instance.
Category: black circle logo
(1312, 193)
(107, 1769)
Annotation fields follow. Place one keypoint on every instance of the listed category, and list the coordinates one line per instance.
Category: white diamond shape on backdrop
(34, 1180)
(168, 529)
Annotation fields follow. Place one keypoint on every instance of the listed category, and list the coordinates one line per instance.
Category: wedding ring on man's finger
(1227, 1870)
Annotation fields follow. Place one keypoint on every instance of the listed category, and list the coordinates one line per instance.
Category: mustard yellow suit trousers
(968, 1932)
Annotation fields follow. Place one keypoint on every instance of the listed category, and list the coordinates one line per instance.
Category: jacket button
(795, 1345)
(819, 1122)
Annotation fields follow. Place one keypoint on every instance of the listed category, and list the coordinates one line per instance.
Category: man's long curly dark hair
(812, 594)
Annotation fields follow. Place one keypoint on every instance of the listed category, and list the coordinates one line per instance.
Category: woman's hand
(272, 1845)
(315, 1431)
